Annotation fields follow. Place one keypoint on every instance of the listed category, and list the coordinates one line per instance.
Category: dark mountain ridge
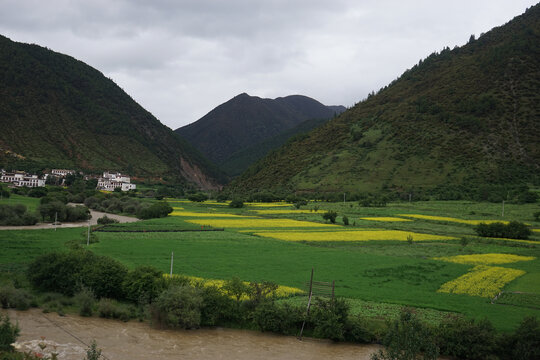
(56, 111)
(245, 121)
(459, 118)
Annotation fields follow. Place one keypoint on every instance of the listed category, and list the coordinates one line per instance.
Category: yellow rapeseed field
(281, 292)
(256, 223)
(360, 235)
(384, 218)
(485, 259)
(197, 214)
(291, 211)
(450, 219)
(484, 281)
(267, 204)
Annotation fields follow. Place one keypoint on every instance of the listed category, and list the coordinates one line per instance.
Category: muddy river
(68, 336)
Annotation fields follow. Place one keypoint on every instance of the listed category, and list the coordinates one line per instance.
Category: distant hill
(246, 121)
(56, 111)
(464, 117)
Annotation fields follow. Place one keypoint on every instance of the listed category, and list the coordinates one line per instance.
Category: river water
(68, 335)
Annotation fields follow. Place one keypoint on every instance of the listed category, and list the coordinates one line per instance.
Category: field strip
(384, 218)
(210, 215)
(281, 291)
(485, 259)
(366, 235)
(450, 219)
(291, 211)
(484, 281)
(314, 230)
(257, 222)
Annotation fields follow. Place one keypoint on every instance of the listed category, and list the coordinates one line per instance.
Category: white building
(111, 181)
(62, 172)
(20, 178)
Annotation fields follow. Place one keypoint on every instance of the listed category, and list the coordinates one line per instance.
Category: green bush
(198, 197)
(77, 213)
(466, 338)
(37, 192)
(278, 318)
(524, 344)
(512, 230)
(85, 299)
(143, 284)
(110, 309)
(330, 215)
(178, 307)
(11, 297)
(406, 339)
(217, 307)
(157, 210)
(16, 215)
(66, 272)
(236, 204)
(345, 220)
(105, 220)
(329, 317)
(8, 333)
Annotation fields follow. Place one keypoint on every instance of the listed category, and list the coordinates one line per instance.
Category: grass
(377, 277)
(30, 202)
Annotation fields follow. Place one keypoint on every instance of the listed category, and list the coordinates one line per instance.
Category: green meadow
(378, 277)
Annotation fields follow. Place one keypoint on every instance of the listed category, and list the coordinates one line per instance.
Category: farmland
(378, 262)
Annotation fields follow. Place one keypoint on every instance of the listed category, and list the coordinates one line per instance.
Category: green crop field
(378, 276)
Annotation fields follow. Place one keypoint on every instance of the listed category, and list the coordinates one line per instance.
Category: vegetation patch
(257, 223)
(485, 259)
(384, 218)
(356, 235)
(451, 219)
(484, 281)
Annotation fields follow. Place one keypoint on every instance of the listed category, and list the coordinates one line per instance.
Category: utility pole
(88, 235)
(172, 260)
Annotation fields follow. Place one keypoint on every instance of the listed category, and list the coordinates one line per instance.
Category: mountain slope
(245, 121)
(56, 111)
(466, 116)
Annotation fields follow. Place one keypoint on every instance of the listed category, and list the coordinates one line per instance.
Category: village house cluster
(111, 181)
(108, 182)
(21, 178)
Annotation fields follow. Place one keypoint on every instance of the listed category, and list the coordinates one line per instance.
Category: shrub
(278, 318)
(298, 204)
(93, 353)
(157, 210)
(8, 333)
(198, 197)
(345, 220)
(37, 192)
(330, 215)
(466, 338)
(524, 344)
(512, 230)
(105, 220)
(108, 308)
(85, 299)
(236, 288)
(66, 272)
(19, 299)
(52, 210)
(178, 307)
(329, 318)
(536, 216)
(406, 339)
(143, 284)
(77, 213)
(16, 215)
(236, 204)
(216, 307)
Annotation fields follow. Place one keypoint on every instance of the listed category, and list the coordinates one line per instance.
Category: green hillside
(245, 122)
(459, 118)
(56, 111)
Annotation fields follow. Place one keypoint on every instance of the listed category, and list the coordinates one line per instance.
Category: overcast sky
(180, 59)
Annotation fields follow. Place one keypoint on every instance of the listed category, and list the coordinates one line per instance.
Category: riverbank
(69, 336)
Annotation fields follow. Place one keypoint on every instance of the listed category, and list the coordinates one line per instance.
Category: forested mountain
(246, 121)
(56, 111)
(460, 118)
